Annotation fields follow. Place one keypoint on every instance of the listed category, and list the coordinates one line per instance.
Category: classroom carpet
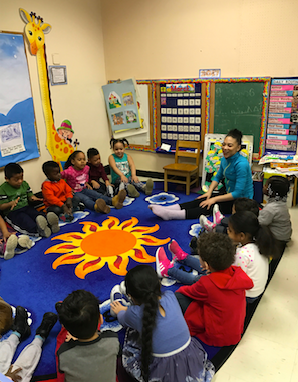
(94, 253)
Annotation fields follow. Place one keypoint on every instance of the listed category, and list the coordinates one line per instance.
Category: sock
(168, 214)
(175, 206)
(17, 334)
(39, 337)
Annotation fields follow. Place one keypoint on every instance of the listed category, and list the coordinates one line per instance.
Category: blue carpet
(29, 279)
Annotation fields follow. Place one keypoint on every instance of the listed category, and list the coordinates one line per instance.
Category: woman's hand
(116, 307)
(123, 179)
(207, 195)
(208, 203)
(88, 186)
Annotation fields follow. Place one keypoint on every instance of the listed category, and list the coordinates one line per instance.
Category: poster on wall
(121, 105)
(283, 116)
(18, 141)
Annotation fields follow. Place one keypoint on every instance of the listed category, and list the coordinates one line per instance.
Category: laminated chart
(283, 115)
(180, 112)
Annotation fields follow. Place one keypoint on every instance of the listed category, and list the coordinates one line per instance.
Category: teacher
(236, 172)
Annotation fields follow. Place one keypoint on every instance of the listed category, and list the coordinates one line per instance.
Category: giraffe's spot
(65, 150)
(61, 143)
(57, 139)
(57, 146)
(53, 127)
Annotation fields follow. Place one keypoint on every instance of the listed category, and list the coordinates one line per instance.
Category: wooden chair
(183, 170)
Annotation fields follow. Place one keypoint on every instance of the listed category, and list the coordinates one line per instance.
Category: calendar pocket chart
(180, 110)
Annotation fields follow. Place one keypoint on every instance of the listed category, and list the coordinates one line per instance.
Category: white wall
(174, 39)
(76, 36)
(148, 39)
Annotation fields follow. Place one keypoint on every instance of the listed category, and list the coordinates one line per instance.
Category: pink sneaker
(205, 223)
(177, 252)
(162, 263)
(217, 215)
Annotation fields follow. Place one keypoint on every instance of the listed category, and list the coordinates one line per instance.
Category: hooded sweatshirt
(216, 314)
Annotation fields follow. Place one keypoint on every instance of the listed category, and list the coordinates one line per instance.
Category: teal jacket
(238, 178)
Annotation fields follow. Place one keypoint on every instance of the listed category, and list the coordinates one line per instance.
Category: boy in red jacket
(215, 306)
(57, 194)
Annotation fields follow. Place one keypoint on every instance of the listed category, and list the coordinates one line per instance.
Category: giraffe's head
(34, 30)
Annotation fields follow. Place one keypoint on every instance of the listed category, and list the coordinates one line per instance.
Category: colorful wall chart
(180, 111)
(18, 140)
(283, 115)
(121, 105)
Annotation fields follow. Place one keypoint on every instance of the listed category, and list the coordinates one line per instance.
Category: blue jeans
(183, 276)
(88, 197)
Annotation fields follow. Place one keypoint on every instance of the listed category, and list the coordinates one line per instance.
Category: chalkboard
(239, 105)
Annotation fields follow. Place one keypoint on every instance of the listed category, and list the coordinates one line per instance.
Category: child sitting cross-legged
(15, 195)
(76, 174)
(9, 241)
(97, 172)
(158, 345)
(256, 245)
(89, 355)
(57, 194)
(26, 363)
(275, 214)
(214, 307)
(167, 268)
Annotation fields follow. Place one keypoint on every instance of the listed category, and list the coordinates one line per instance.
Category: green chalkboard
(239, 106)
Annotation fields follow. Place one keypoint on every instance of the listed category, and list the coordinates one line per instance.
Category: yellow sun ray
(119, 241)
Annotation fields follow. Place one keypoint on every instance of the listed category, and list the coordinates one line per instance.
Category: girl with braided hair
(275, 214)
(158, 345)
(123, 171)
(256, 246)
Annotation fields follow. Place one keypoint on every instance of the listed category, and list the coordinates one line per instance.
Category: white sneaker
(11, 245)
(115, 295)
(205, 223)
(111, 190)
(217, 215)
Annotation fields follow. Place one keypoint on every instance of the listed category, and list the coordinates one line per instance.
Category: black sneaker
(47, 323)
(20, 323)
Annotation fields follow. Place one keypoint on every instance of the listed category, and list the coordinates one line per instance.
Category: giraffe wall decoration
(35, 30)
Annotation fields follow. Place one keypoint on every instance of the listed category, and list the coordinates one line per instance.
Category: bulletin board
(18, 139)
(241, 103)
(283, 116)
(180, 112)
(217, 106)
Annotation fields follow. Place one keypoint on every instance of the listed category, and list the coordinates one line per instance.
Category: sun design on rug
(110, 243)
